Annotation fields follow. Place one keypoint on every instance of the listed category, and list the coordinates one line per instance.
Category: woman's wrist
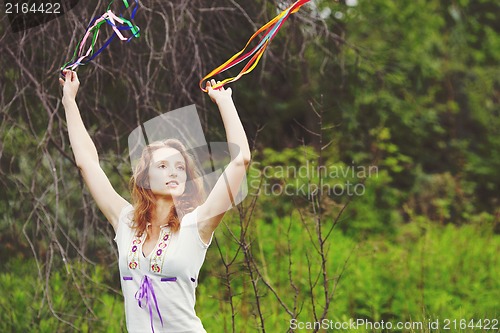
(222, 100)
(68, 100)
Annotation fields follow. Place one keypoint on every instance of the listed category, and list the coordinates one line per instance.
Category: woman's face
(167, 172)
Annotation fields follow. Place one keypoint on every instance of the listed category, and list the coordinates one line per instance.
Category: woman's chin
(169, 194)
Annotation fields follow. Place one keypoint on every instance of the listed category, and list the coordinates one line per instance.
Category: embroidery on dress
(156, 261)
(133, 255)
(158, 255)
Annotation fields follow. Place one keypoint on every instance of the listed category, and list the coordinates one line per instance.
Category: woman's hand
(219, 94)
(70, 85)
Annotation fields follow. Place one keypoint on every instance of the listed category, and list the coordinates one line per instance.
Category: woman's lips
(172, 184)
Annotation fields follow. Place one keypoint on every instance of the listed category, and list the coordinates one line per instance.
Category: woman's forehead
(167, 154)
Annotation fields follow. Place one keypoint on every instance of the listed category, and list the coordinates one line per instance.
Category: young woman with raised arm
(164, 233)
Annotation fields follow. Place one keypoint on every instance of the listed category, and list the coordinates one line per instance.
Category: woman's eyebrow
(167, 161)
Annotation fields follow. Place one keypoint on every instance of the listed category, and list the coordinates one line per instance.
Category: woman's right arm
(108, 200)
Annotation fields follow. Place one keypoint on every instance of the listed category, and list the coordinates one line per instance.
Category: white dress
(159, 290)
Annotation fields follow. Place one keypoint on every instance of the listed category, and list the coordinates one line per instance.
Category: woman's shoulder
(189, 225)
(125, 220)
(126, 213)
(190, 218)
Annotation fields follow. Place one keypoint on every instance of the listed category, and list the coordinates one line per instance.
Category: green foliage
(423, 81)
(35, 303)
(424, 271)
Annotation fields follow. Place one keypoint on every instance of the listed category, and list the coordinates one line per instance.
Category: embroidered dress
(159, 290)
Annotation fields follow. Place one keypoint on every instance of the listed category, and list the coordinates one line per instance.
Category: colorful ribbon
(146, 294)
(118, 24)
(272, 28)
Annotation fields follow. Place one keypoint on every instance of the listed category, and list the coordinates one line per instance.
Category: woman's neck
(161, 211)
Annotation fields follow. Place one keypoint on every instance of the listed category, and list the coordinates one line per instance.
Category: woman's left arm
(219, 200)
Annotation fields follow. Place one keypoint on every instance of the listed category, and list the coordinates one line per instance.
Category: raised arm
(87, 159)
(218, 201)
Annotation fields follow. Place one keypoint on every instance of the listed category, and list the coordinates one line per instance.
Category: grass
(423, 273)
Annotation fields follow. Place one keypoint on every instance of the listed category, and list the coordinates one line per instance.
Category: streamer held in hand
(271, 30)
(118, 24)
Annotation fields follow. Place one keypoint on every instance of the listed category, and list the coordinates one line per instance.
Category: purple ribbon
(146, 293)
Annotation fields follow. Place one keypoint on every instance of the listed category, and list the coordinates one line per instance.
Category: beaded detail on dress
(156, 257)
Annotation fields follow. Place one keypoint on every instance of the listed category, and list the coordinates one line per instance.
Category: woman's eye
(181, 167)
(162, 166)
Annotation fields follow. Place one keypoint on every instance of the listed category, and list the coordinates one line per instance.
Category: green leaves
(25, 299)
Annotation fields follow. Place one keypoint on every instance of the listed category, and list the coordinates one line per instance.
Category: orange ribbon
(272, 28)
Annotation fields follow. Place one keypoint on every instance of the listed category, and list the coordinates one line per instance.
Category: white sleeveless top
(165, 281)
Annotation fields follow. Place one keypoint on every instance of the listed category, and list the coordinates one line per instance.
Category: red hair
(144, 200)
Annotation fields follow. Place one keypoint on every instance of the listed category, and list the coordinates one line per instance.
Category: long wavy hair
(144, 200)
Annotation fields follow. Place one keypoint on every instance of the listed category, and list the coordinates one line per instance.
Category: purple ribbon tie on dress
(170, 279)
(146, 294)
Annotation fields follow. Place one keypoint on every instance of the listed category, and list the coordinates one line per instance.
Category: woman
(161, 246)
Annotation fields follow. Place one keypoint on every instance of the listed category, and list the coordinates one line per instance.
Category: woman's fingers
(70, 75)
(210, 84)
